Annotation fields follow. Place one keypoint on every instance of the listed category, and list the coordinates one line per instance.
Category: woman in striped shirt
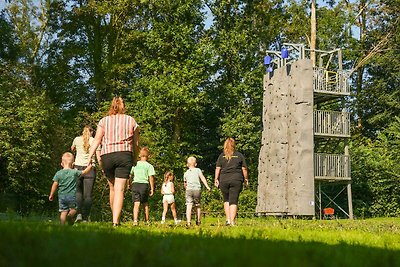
(119, 137)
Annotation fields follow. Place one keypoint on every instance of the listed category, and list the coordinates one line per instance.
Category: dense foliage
(191, 73)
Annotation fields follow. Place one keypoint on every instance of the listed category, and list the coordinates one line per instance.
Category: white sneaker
(78, 218)
(162, 221)
(177, 222)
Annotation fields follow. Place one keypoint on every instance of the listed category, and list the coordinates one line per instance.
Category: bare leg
(136, 209)
(70, 216)
(63, 217)
(146, 211)
(227, 212)
(232, 212)
(111, 186)
(119, 187)
(198, 219)
(165, 209)
(173, 210)
(188, 213)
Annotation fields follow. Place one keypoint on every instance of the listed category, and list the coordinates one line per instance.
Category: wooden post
(320, 200)
(350, 201)
(349, 195)
(313, 39)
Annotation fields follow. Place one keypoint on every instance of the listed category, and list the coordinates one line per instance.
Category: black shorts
(140, 192)
(230, 190)
(117, 164)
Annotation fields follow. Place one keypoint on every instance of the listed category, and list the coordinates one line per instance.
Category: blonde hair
(229, 147)
(67, 159)
(86, 134)
(117, 106)
(144, 152)
(168, 174)
(192, 160)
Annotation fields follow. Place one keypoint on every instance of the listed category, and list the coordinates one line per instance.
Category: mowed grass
(254, 242)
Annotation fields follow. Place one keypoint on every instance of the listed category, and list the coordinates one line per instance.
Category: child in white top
(168, 190)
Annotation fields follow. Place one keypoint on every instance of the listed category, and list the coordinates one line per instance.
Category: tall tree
(378, 68)
(242, 31)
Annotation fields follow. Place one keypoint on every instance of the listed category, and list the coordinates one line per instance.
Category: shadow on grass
(33, 244)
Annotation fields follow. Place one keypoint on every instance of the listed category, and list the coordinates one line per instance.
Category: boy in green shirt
(143, 175)
(65, 180)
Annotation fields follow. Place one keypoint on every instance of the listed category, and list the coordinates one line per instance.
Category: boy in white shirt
(192, 185)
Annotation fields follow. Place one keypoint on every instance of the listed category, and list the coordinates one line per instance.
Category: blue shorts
(65, 203)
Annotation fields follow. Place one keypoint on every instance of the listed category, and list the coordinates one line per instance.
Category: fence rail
(331, 167)
(330, 82)
(331, 123)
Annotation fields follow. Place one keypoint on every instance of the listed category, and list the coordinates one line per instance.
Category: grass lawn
(254, 242)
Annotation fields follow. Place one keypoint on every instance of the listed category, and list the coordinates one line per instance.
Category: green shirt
(142, 171)
(192, 178)
(66, 179)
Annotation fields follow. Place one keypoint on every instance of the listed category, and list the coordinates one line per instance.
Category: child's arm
(162, 189)
(151, 180)
(184, 184)
(203, 179)
(53, 190)
(172, 188)
(130, 181)
(87, 170)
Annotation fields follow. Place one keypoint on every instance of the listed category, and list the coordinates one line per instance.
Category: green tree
(375, 172)
(241, 32)
(379, 95)
(28, 140)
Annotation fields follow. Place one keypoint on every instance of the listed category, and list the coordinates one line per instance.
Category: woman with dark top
(119, 136)
(85, 183)
(230, 174)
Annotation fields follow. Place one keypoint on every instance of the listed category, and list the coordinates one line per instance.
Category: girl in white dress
(168, 190)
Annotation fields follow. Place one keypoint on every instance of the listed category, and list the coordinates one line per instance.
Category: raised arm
(86, 170)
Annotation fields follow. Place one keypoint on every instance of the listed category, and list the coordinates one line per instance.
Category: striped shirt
(118, 133)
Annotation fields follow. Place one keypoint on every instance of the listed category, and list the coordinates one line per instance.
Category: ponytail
(86, 134)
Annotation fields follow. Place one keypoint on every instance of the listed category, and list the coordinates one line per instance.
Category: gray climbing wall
(285, 169)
